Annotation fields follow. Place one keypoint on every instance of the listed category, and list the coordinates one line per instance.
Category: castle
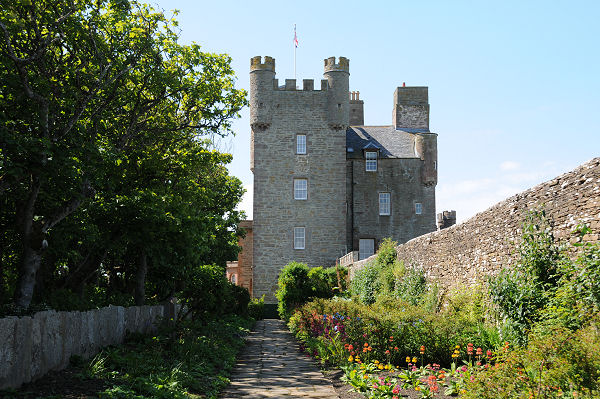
(326, 185)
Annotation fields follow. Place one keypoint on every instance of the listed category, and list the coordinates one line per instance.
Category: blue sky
(513, 85)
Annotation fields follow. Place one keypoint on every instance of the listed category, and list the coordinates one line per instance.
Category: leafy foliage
(210, 294)
(297, 283)
(388, 276)
(110, 187)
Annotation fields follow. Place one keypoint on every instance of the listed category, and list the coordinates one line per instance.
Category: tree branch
(86, 192)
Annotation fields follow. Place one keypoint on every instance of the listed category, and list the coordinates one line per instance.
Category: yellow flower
(414, 359)
(350, 359)
(380, 367)
(457, 347)
(365, 376)
(387, 366)
(376, 361)
(417, 388)
(407, 359)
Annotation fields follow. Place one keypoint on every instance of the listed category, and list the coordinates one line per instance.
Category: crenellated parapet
(338, 79)
(343, 65)
(256, 64)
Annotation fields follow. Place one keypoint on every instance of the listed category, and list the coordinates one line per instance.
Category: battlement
(307, 85)
(342, 66)
(256, 64)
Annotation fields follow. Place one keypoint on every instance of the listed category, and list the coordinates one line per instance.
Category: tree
(89, 86)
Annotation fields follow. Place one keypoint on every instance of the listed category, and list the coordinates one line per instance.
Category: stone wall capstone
(464, 254)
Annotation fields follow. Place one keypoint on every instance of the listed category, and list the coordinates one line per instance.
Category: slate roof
(391, 143)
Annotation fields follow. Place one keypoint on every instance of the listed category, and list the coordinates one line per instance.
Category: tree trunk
(32, 259)
(32, 248)
(140, 279)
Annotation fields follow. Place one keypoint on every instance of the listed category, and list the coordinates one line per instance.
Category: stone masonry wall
(32, 346)
(481, 246)
(276, 164)
(402, 179)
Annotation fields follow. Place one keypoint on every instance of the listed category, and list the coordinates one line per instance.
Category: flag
(295, 37)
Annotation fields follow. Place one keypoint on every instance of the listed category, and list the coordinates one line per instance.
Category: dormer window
(371, 161)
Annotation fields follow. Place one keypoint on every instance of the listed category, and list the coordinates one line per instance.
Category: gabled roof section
(372, 147)
(390, 142)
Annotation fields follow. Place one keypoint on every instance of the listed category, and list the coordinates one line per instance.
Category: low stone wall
(463, 254)
(32, 346)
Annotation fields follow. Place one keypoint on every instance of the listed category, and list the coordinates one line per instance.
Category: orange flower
(422, 349)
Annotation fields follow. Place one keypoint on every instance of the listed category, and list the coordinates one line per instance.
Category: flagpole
(295, 46)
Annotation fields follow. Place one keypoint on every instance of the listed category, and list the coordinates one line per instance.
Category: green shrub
(240, 298)
(412, 285)
(522, 291)
(298, 284)
(207, 293)
(557, 364)
(294, 288)
(366, 284)
(256, 308)
(391, 325)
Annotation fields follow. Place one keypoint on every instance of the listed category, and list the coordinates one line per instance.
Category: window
(300, 189)
(299, 238)
(301, 144)
(234, 279)
(371, 161)
(366, 248)
(418, 208)
(384, 203)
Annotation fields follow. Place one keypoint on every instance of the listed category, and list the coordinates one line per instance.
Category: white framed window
(299, 238)
(300, 189)
(366, 248)
(384, 203)
(301, 144)
(234, 278)
(418, 208)
(371, 161)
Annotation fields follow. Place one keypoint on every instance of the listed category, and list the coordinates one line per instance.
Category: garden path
(272, 366)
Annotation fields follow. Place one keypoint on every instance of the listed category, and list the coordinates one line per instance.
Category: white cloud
(509, 165)
(247, 200)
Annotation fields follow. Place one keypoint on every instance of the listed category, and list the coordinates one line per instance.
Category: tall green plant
(522, 291)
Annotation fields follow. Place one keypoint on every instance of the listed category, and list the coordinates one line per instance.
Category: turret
(262, 76)
(426, 149)
(338, 76)
(262, 82)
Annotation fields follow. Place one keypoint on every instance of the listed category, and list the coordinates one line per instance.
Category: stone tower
(298, 158)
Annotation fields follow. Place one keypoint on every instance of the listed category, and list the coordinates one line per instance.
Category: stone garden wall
(465, 253)
(32, 346)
